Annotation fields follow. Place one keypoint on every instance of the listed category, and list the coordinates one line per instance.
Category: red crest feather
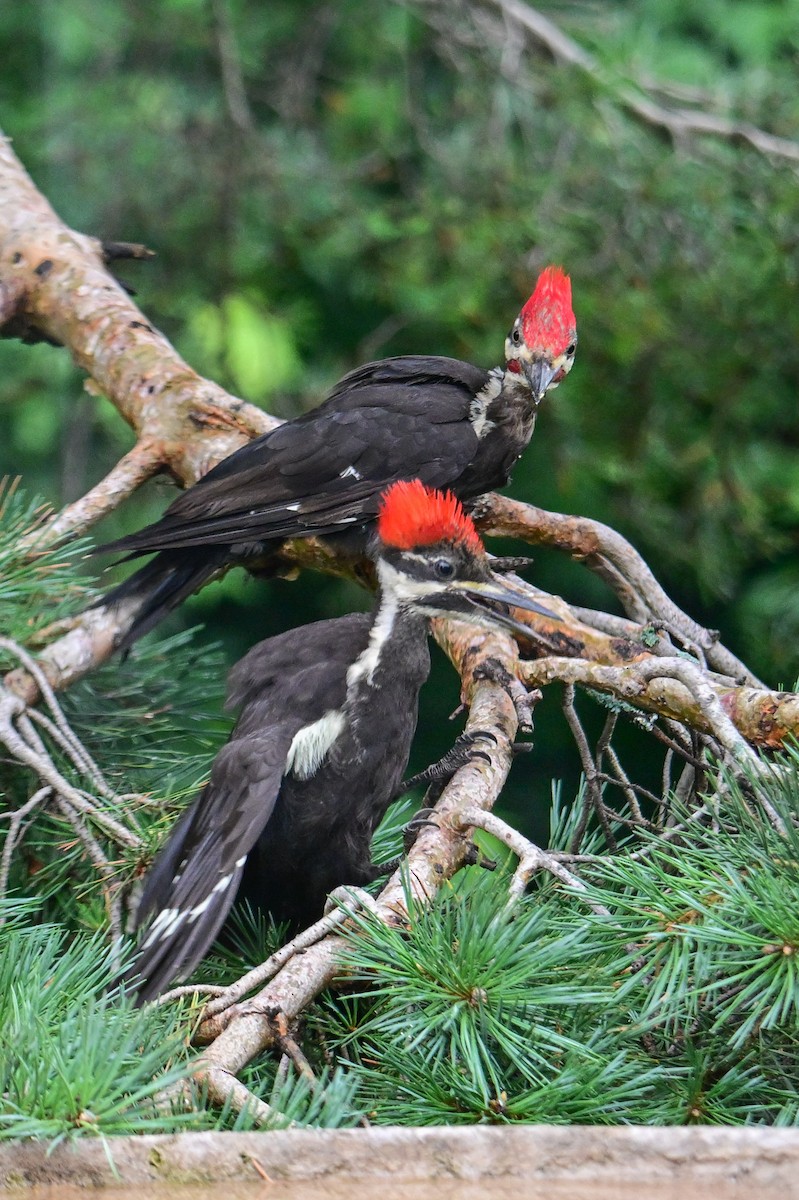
(413, 515)
(548, 322)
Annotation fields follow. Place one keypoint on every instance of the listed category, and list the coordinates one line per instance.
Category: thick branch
(55, 282)
(764, 718)
(602, 547)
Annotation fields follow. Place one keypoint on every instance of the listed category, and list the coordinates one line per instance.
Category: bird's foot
(350, 899)
(419, 821)
(458, 756)
(523, 701)
(475, 858)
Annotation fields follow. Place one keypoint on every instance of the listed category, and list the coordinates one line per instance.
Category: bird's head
(541, 344)
(429, 557)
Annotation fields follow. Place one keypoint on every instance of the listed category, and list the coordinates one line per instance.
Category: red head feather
(413, 515)
(548, 322)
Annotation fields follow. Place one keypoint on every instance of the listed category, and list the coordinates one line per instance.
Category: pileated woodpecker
(328, 712)
(445, 422)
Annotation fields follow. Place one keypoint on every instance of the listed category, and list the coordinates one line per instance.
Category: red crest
(548, 322)
(413, 515)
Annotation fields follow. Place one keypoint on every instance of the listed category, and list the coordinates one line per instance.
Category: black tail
(163, 583)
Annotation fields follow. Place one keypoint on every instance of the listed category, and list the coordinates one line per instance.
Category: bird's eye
(570, 349)
(516, 335)
(444, 568)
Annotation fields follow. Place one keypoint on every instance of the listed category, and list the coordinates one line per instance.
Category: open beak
(491, 600)
(540, 375)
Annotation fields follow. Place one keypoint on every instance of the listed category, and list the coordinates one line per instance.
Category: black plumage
(301, 837)
(439, 420)
(327, 715)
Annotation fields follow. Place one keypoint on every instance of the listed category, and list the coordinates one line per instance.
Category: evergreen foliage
(678, 1006)
(77, 1059)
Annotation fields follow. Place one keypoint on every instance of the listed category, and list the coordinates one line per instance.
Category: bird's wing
(193, 881)
(289, 672)
(397, 419)
(284, 684)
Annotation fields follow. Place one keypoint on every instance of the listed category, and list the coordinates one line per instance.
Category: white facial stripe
(310, 745)
(478, 406)
(366, 663)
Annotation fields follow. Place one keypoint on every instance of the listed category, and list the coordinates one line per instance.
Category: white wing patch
(350, 473)
(164, 924)
(310, 745)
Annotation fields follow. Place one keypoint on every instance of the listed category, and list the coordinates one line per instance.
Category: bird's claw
(523, 701)
(419, 821)
(461, 753)
(350, 899)
(474, 857)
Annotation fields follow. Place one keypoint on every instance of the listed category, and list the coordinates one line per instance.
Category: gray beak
(540, 375)
(491, 600)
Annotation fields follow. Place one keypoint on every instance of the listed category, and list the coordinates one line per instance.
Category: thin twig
(677, 121)
(531, 857)
(15, 829)
(351, 899)
(42, 765)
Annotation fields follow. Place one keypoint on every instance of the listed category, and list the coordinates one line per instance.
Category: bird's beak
(491, 600)
(540, 375)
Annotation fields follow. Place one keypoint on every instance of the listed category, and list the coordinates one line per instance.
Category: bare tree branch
(531, 857)
(763, 718)
(601, 547)
(62, 289)
(676, 121)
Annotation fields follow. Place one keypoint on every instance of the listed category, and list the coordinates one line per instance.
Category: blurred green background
(326, 183)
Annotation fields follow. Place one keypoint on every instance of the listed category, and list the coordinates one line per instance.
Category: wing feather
(394, 419)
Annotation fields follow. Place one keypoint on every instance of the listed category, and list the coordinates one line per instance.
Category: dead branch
(610, 555)
(763, 718)
(676, 121)
(531, 857)
(349, 899)
(62, 289)
(79, 807)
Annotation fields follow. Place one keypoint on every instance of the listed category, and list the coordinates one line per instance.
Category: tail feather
(162, 584)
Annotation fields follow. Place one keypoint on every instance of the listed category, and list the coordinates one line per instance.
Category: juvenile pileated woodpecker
(328, 712)
(448, 423)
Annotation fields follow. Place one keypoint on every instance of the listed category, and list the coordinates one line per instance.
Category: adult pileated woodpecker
(442, 421)
(328, 712)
